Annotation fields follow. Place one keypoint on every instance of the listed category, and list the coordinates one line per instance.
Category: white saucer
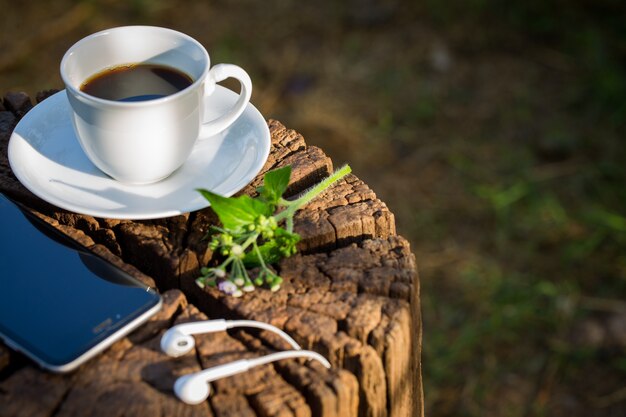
(45, 156)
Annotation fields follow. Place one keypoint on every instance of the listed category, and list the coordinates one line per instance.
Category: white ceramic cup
(145, 141)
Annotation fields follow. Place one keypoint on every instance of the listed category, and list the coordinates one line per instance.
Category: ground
(493, 132)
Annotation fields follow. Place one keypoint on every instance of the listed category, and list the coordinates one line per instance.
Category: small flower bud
(220, 273)
(227, 287)
(238, 281)
(237, 250)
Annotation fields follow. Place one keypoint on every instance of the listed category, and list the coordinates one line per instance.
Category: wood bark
(351, 294)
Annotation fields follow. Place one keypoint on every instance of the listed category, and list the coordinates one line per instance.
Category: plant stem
(227, 261)
(259, 255)
(252, 239)
(293, 206)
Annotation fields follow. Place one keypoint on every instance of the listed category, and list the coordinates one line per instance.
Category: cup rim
(131, 104)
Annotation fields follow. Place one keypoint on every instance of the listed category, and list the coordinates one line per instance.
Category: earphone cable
(265, 326)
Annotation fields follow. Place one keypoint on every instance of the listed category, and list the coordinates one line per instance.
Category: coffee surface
(136, 82)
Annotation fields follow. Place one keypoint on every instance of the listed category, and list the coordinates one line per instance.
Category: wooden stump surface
(351, 294)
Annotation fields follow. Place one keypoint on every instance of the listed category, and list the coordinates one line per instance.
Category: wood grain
(351, 294)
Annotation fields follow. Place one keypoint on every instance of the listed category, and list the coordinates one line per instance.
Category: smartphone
(60, 304)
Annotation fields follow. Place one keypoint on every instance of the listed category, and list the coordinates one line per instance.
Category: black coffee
(136, 82)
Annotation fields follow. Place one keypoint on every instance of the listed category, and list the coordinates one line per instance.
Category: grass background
(493, 130)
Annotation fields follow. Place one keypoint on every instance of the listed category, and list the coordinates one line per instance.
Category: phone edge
(95, 350)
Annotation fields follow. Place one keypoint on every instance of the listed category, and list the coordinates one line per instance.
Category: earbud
(195, 388)
(178, 340)
(190, 391)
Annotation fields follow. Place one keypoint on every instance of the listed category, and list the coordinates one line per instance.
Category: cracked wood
(351, 294)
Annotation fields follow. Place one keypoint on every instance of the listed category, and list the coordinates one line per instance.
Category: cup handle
(218, 73)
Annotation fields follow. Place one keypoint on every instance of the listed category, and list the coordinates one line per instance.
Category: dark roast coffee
(136, 82)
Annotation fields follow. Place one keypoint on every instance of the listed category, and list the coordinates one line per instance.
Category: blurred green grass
(493, 130)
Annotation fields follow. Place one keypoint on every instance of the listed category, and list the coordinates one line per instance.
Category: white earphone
(178, 340)
(195, 388)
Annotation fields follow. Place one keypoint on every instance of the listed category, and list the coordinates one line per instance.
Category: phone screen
(57, 302)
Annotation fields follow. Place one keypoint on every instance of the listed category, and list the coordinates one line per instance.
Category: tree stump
(351, 294)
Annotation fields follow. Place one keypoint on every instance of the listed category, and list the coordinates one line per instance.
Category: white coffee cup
(145, 141)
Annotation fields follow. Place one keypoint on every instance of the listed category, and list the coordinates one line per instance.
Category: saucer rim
(22, 173)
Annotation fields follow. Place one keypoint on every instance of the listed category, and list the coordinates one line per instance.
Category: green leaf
(236, 212)
(269, 252)
(275, 183)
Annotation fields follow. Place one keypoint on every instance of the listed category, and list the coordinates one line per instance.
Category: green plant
(252, 233)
